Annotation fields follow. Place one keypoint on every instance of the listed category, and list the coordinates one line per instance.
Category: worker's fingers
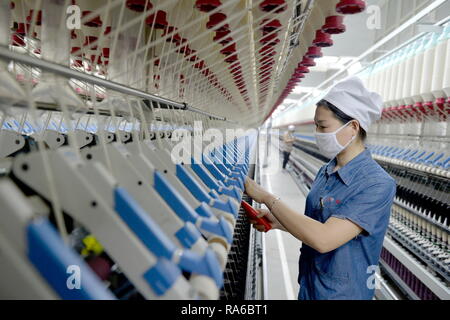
(261, 213)
(248, 182)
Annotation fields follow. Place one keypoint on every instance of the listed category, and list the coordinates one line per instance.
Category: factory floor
(281, 248)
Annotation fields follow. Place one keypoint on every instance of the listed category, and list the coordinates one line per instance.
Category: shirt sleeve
(369, 208)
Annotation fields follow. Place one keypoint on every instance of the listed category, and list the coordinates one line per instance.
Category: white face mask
(328, 143)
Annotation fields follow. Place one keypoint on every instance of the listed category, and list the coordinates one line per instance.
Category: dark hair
(341, 116)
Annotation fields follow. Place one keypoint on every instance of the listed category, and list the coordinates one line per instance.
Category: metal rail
(384, 292)
(8, 55)
(256, 279)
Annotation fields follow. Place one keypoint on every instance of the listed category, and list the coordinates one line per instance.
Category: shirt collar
(347, 172)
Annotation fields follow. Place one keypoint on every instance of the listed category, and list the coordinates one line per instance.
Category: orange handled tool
(253, 215)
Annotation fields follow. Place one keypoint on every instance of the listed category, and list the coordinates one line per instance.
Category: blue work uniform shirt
(362, 192)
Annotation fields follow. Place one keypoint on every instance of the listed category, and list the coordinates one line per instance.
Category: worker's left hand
(274, 223)
(255, 191)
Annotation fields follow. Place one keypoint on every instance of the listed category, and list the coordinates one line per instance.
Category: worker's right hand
(269, 216)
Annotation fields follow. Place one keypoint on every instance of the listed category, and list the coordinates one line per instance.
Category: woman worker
(347, 209)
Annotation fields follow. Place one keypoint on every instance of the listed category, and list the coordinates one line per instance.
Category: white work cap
(355, 100)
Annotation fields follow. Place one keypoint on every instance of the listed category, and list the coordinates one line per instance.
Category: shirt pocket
(326, 266)
(330, 206)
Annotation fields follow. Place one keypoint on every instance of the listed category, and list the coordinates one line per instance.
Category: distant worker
(288, 141)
